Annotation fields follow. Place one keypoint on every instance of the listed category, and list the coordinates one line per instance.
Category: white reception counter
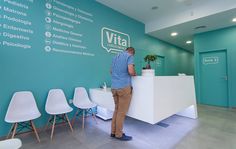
(155, 98)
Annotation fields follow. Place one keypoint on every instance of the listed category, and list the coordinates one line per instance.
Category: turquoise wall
(218, 40)
(176, 60)
(37, 70)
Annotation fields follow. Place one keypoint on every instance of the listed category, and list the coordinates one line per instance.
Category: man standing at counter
(121, 71)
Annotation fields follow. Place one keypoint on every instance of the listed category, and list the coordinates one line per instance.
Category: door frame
(199, 74)
(163, 64)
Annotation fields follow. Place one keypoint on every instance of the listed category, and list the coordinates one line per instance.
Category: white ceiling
(181, 16)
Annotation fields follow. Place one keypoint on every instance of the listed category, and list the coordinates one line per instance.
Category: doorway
(160, 66)
(213, 78)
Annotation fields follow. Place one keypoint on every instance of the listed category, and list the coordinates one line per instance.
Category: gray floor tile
(214, 129)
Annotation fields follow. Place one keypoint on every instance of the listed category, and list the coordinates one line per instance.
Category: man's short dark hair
(130, 49)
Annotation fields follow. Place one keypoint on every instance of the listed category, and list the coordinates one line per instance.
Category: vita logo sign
(114, 41)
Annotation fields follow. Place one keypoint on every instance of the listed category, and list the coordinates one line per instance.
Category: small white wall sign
(210, 60)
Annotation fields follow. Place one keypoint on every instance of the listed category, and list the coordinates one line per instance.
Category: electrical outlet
(70, 101)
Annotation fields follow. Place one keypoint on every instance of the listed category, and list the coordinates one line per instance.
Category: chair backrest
(56, 100)
(80, 97)
(10, 144)
(22, 108)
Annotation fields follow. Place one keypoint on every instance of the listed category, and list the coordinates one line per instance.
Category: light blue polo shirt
(120, 77)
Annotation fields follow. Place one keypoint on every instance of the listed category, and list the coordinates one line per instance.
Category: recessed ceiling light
(174, 34)
(155, 7)
(200, 27)
(234, 19)
(188, 42)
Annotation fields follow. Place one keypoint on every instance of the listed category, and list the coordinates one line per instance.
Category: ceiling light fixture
(188, 42)
(155, 7)
(174, 34)
(200, 27)
(234, 19)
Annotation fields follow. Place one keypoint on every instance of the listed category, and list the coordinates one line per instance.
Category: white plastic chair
(10, 144)
(57, 107)
(82, 102)
(22, 109)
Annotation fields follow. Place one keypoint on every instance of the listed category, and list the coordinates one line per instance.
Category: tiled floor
(214, 129)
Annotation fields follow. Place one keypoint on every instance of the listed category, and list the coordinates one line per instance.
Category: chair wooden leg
(83, 119)
(12, 126)
(74, 118)
(45, 128)
(35, 131)
(69, 122)
(14, 131)
(53, 125)
(94, 117)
